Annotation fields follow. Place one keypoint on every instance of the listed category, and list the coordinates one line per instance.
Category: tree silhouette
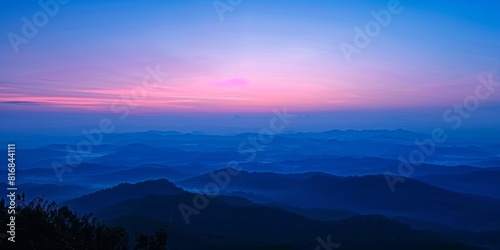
(158, 241)
(40, 224)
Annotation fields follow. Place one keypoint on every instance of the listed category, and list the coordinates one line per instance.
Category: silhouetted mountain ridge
(123, 191)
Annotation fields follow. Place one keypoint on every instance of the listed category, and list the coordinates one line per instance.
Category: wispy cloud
(28, 103)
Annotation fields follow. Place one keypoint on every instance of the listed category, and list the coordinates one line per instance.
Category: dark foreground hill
(110, 196)
(228, 224)
(195, 221)
(365, 194)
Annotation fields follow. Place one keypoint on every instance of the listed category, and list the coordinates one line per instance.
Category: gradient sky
(264, 54)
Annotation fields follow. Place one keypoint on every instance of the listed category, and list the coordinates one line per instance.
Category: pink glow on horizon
(249, 86)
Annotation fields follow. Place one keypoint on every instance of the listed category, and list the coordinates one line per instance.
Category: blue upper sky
(244, 58)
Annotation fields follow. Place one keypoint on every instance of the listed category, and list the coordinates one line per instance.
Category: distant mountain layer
(54, 192)
(483, 182)
(171, 148)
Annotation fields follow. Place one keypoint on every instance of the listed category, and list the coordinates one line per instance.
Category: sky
(343, 64)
